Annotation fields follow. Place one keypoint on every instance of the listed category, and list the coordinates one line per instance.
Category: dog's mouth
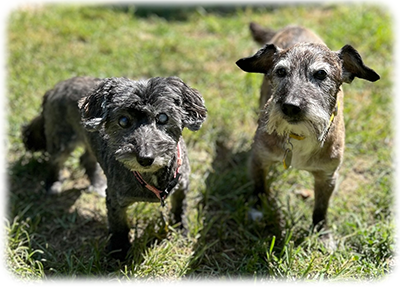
(303, 125)
(293, 121)
(134, 162)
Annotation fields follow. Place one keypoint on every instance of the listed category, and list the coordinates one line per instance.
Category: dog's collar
(334, 114)
(287, 157)
(162, 194)
(296, 137)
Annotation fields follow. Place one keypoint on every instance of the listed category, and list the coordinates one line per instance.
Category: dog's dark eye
(162, 119)
(281, 72)
(124, 122)
(320, 75)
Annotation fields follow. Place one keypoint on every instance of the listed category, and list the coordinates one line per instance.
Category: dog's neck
(163, 193)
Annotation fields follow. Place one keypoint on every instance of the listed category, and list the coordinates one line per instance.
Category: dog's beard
(134, 165)
(130, 162)
(315, 124)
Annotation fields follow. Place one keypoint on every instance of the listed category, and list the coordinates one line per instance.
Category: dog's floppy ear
(93, 106)
(353, 66)
(194, 110)
(260, 62)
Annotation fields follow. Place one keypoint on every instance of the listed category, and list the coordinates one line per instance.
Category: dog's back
(61, 100)
(285, 37)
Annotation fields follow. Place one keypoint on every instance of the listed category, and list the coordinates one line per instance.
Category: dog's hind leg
(54, 178)
(61, 140)
(98, 182)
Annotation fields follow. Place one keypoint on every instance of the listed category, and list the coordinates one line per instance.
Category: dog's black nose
(145, 160)
(291, 110)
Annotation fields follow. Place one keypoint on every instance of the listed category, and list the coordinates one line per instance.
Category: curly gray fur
(125, 126)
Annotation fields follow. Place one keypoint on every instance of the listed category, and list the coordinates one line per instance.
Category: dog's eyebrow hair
(133, 109)
(320, 66)
(283, 63)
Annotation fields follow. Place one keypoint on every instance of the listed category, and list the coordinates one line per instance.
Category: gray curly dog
(131, 131)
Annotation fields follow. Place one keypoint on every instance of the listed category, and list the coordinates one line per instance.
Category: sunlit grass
(65, 236)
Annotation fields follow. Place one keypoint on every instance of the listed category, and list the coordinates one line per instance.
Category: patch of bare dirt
(356, 176)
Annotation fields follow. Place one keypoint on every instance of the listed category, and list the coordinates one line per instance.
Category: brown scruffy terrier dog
(301, 124)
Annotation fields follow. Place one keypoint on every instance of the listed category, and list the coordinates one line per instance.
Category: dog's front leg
(177, 205)
(324, 185)
(117, 226)
(259, 173)
(260, 170)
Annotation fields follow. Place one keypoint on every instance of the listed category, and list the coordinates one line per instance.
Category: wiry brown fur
(284, 39)
(301, 91)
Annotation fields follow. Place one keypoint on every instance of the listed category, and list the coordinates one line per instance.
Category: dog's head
(142, 121)
(305, 80)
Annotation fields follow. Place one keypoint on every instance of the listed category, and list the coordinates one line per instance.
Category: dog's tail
(33, 135)
(260, 34)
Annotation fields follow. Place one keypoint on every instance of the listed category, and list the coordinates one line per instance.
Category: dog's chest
(301, 154)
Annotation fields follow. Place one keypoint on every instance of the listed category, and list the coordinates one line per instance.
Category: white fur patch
(134, 165)
(314, 125)
(283, 63)
(320, 66)
(255, 215)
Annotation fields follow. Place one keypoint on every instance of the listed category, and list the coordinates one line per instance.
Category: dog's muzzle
(124, 153)
(129, 156)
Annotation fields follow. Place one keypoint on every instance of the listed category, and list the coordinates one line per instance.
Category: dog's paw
(55, 188)
(99, 189)
(118, 247)
(255, 215)
(304, 193)
(118, 254)
(328, 241)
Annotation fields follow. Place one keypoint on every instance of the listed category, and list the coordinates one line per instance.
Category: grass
(64, 236)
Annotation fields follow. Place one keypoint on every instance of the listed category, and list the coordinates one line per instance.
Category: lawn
(64, 236)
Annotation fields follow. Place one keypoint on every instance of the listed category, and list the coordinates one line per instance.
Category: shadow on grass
(72, 236)
(231, 244)
(182, 9)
